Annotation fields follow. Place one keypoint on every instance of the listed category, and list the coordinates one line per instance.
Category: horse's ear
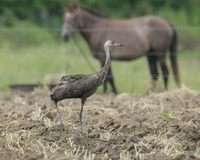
(75, 5)
(66, 6)
(71, 7)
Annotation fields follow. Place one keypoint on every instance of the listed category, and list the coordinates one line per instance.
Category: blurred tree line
(48, 13)
(26, 15)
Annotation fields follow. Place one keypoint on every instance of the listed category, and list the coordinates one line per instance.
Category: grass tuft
(168, 116)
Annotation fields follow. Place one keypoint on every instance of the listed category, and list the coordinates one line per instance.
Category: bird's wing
(74, 86)
(71, 78)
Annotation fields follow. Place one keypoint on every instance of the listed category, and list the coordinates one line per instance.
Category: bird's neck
(103, 72)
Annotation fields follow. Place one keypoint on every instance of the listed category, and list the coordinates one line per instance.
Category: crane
(81, 85)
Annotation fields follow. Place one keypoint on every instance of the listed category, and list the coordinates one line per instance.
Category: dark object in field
(148, 35)
(81, 85)
(28, 87)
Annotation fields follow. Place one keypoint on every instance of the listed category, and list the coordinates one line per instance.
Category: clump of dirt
(126, 126)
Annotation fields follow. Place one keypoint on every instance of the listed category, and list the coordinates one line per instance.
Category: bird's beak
(117, 44)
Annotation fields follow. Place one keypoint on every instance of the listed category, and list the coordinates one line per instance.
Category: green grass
(31, 63)
(168, 116)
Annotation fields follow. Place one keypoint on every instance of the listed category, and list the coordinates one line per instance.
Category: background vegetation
(31, 48)
(48, 13)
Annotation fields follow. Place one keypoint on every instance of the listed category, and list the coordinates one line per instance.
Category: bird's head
(110, 43)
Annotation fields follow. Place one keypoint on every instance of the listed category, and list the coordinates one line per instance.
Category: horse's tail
(173, 56)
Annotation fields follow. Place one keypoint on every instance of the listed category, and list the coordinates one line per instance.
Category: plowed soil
(126, 126)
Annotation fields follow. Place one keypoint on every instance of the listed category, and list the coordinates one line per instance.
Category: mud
(126, 126)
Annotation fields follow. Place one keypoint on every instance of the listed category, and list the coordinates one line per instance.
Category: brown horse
(149, 35)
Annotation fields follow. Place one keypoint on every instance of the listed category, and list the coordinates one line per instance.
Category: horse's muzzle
(65, 38)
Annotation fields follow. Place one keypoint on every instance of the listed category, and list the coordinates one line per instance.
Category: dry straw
(22, 140)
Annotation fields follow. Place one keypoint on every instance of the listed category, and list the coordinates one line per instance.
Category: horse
(147, 35)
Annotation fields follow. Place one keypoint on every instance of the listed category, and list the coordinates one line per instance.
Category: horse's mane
(94, 11)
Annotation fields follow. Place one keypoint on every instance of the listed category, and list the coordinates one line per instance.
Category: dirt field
(127, 126)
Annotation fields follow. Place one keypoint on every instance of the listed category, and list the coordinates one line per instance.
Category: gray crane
(81, 85)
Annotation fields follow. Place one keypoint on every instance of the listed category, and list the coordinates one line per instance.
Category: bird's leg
(82, 104)
(62, 126)
(80, 116)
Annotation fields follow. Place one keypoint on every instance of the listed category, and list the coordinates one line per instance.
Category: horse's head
(72, 20)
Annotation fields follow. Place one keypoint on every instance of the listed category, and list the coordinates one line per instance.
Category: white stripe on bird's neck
(107, 51)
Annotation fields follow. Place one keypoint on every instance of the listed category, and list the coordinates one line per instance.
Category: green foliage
(197, 154)
(168, 116)
(8, 18)
(44, 12)
(48, 14)
(24, 34)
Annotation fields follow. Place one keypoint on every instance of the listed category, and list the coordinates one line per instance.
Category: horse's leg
(105, 85)
(165, 71)
(109, 78)
(105, 81)
(153, 68)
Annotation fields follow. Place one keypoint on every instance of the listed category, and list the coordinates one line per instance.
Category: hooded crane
(81, 85)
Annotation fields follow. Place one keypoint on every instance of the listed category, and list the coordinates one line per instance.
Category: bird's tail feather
(52, 97)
